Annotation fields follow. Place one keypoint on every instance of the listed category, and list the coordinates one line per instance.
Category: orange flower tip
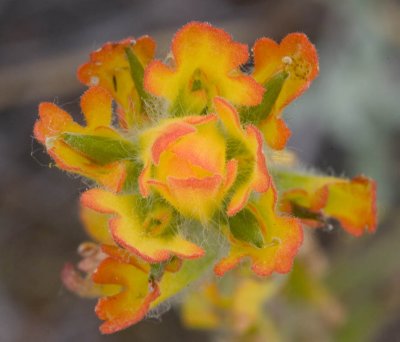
(128, 317)
(200, 119)
(225, 265)
(235, 207)
(261, 271)
(88, 73)
(370, 221)
(47, 109)
(171, 134)
(309, 50)
(233, 210)
(142, 180)
(296, 55)
(226, 111)
(199, 29)
(95, 97)
(154, 71)
(88, 199)
(131, 303)
(231, 173)
(276, 132)
(293, 45)
(157, 256)
(283, 135)
(216, 57)
(263, 180)
(208, 183)
(123, 256)
(283, 236)
(120, 180)
(255, 93)
(52, 121)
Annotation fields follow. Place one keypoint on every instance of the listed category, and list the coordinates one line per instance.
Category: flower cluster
(181, 180)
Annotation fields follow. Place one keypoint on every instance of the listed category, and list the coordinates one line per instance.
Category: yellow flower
(67, 142)
(281, 237)
(198, 161)
(315, 198)
(146, 232)
(205, 64)
(119, 68)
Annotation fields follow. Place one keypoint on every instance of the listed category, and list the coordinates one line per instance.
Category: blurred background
(347, 123)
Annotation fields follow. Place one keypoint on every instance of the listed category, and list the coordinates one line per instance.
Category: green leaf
(137, 72)
(101, 150)
(260, 112)
(244, 226)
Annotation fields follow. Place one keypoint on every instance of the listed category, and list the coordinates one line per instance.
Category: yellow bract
(144, 233)
(282, 237)
(297, 58)
(54, 122)
(182, 174)
(227, 162)
(246, 148)
(131, 303)
(109, 67)
(205, 64)
(351, 202)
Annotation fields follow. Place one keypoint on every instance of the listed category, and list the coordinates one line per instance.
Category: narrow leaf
(137, 72)
(273, 88)
(244, 227)
(102, 150)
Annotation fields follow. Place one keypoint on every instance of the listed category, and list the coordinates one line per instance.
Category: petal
(198, 198)
(155, 140)
(72, 145)
(172, 133)
(130, 229)
(79, 280)
(297, 59)
(229, 118)
(96, 107)
(238, 200)
(252, 169)
(110, 68)
(295, 55)
(203, 70)
(52, 122)
(132, 303)
(359, 199)
(96, 225)
(82, 286)
(210, 150)
(122, 255)
(275, 132)
(182, 174)
(261, 178)
(112, 176)
(231, 173)
(282, 239)
(143, 180)
(351, 202)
